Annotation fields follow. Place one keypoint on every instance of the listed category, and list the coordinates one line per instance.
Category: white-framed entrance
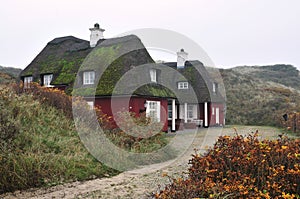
(187, 114)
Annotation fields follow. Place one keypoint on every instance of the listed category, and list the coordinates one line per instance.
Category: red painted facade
(110, 105)
(214, 116)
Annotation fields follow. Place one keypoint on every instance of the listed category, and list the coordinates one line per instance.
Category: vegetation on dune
(241, 167)
(13, 72)
(39, 144)
(6, 78)
(261, 95)
(9, 74)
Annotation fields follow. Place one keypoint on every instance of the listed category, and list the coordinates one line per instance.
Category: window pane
(89, 77)
(153, 75)
(190, 111)
(183, 85)
(153, 110)
(47, 80)
(27, 81)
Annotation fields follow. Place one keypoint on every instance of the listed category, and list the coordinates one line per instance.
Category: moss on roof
(67, 57)
(195, 73)
(154, 90)
(111, 59)
(61, 57)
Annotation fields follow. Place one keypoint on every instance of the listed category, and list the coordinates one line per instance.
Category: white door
(217, 116)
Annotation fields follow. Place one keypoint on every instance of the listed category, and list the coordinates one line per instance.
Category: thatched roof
(123, 59)
(195, 73)
(64, 57)
(61, 57)
(111, 60)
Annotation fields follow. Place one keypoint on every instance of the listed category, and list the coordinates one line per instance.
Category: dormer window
(47, 80)
(88, 77)
(27, 81)
(183, 85)
(153, 75)
(214, 89)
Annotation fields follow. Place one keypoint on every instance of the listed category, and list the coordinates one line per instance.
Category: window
(27, 81)
(190, 111)
(183, 85)
(153, 75)
(91, 104)
(89, 77)
(153, 110)
(47, 80)
(214, 87)
(213, 110)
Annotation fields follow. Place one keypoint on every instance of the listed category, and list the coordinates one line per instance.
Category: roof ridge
(58, 40)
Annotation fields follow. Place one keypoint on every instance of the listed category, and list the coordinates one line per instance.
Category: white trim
(217, 116)
(158, 111)
(173, 115)
(185, 113)
(205, 114)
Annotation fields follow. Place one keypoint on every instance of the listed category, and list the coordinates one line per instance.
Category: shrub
(50, 96)
(241, 167)
(138, 134)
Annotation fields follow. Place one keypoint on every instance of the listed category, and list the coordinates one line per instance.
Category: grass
(263, 94)
(40, 146)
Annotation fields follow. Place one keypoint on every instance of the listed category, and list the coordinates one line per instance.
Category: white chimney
(181, 58)
(96, 34)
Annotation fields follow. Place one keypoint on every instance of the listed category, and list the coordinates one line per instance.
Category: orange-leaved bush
(241, 167)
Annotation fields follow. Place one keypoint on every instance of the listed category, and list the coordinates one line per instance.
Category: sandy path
(139, 183)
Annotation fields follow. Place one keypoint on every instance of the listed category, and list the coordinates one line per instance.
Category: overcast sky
(232, 32)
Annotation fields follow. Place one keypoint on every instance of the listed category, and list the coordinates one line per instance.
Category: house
(208, 106)
(94, 69)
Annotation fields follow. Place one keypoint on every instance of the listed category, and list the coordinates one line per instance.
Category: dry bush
(241, 167)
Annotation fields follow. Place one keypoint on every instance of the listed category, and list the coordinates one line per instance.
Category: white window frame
(153, 110)
(213, 110)
(153, 75)
(183, 85)
(27, 81)
(88, 77)
(47, 80)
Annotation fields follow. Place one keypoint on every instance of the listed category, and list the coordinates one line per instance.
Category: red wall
(133, 104)
(212, 118)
